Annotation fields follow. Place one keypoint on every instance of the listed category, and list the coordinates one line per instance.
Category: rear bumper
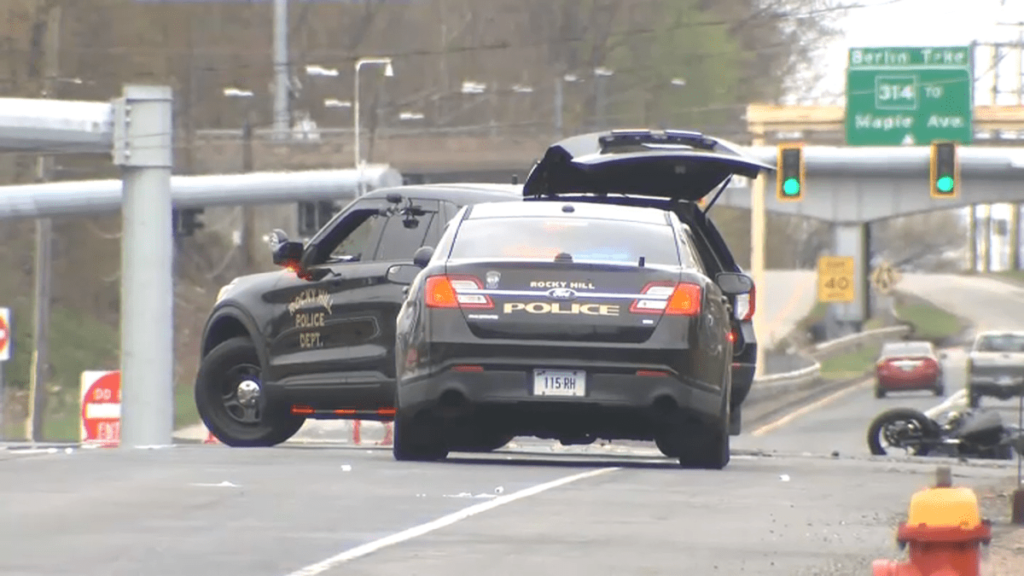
(510, 387)
(908, 382)
(742, 380)
(992, 387)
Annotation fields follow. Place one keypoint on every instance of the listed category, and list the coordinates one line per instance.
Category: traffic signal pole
(143, 149)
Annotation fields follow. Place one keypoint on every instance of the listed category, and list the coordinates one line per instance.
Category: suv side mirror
(734, 284)
(403, 273)
(422, 256)
(284, 252)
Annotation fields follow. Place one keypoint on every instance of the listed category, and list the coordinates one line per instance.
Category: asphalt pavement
(785, 506)
(291, 510)
(839, 422)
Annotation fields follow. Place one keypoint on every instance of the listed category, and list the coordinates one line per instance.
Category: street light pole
(282, 114)
(388, 71)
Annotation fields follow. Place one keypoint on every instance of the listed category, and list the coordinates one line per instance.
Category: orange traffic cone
(210, 438)
(388, 438)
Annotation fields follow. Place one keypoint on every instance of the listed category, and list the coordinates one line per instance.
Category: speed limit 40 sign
(835, 279)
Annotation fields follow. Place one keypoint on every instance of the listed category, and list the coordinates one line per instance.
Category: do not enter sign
(5, 334)
(101, 407)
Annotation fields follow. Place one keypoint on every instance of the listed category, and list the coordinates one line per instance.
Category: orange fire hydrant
(944, 532)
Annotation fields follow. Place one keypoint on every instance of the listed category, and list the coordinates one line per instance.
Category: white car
(995, 366)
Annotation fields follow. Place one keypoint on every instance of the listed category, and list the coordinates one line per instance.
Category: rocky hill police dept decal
(579, 285)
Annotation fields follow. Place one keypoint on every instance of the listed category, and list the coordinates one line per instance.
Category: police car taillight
(675, 299)
(745, 305)
(455, 292)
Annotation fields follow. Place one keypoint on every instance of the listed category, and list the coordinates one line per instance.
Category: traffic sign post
(835, 279)
(884, 277)
(907, 96)
(101, 407)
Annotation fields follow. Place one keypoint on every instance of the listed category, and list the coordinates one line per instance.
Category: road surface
(785, 506)
(304, 511)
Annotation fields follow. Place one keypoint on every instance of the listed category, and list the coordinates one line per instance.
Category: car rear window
(586, 240)
(1001, 343)
(890, 350)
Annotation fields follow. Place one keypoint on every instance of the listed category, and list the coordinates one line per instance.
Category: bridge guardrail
(775, 384)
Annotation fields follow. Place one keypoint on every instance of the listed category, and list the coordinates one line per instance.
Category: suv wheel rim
(242, 395)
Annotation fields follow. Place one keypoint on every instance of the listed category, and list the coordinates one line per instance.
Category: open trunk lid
(562, 301)
(672, 164)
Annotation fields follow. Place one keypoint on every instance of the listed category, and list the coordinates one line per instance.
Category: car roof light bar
(627, 138)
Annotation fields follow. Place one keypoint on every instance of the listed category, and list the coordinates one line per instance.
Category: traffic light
(187, 222)
(945, 170)
(789, 178)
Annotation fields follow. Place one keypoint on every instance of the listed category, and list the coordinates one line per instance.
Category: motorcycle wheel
(894, 425)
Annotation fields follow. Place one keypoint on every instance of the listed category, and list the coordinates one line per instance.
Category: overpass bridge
(472, 153)
(495, 153)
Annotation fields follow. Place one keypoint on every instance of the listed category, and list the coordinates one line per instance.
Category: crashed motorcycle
(959, 434)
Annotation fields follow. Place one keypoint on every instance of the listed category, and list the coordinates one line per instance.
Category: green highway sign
(909, 96)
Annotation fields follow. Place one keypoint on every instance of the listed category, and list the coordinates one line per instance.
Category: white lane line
(772, 426)
(416, 531)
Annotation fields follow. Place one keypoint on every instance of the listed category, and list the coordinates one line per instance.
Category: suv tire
(225, 413)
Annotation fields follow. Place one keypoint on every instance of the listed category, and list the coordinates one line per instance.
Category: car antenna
(642, 262)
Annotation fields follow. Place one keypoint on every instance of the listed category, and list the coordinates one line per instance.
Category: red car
(906, 366)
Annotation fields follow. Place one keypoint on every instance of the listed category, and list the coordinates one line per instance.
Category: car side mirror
(288, 253)
(422, 256)
(734, 284)
(403, 273)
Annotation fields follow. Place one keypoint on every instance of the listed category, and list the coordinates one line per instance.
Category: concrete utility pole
(282, 81)
(40, 374)
(143, 148)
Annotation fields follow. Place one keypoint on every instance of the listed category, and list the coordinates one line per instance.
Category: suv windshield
(597, 241)
(1000, 343)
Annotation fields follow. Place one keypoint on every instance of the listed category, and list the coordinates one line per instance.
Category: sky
(928, 23)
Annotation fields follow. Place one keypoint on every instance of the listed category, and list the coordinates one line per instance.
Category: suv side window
(361, 243)
(399, 241)
(690, 242)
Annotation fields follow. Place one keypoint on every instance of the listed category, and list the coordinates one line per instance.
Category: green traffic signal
(791, 187)
(945, 184)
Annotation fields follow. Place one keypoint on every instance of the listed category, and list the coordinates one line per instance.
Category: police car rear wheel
(417, 439)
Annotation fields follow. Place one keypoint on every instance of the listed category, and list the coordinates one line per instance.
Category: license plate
(559, 383)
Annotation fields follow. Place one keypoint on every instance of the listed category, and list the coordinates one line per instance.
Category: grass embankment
(78, 342)
(929, 323)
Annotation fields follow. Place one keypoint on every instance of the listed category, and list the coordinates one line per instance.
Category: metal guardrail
(773, 384)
